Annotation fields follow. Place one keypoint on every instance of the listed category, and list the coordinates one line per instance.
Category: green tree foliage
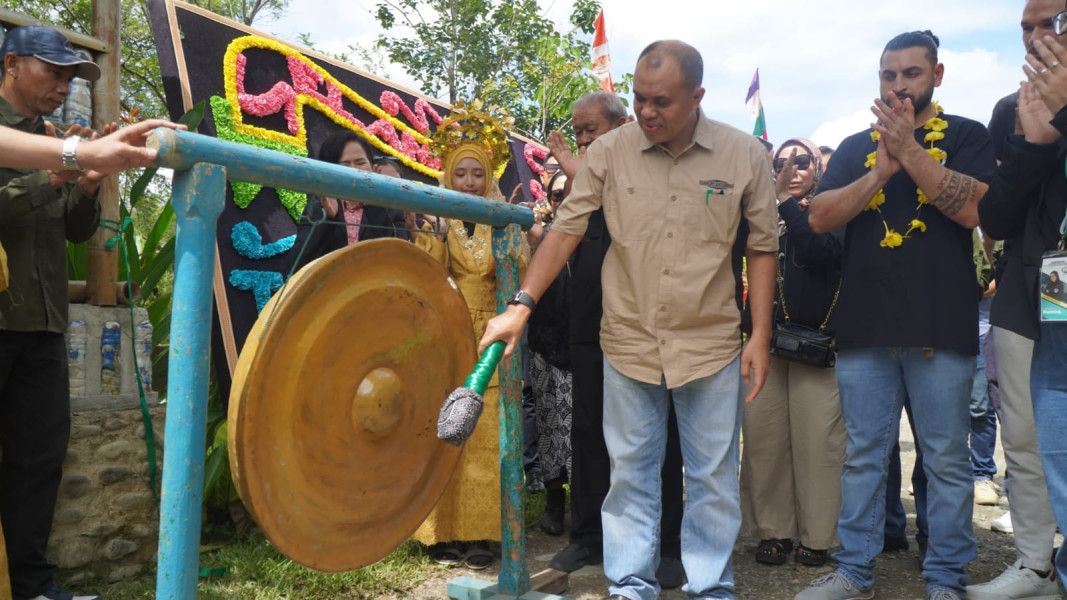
(145, 196)
(504, 52)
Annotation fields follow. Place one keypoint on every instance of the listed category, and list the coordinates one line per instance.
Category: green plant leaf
(155, 269)
(159, 229)
(190, 119)
(77, 256)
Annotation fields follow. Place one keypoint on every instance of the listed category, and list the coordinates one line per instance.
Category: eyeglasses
(1059, 23)
(802, 163)
(552, 168)
(556, 196)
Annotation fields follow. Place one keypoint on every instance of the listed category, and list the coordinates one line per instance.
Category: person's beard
(919, 103)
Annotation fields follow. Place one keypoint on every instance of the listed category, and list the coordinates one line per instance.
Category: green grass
(255, 570)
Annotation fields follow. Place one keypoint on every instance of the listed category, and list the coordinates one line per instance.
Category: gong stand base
(545, 585)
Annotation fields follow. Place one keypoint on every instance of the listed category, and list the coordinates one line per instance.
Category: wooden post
(102, 267)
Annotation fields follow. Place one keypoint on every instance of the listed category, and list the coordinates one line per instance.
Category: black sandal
(810, 557)
(446, 553)
(773, 552)
(478, 556)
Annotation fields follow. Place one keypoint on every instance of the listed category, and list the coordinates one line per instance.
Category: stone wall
(107, 520)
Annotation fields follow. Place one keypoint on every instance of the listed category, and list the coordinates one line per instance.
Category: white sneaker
(1016, 582)
(1002, 523)
(985, 493)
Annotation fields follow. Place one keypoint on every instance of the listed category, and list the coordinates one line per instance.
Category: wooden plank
(470, 588)
(550, 581)
(14, 19)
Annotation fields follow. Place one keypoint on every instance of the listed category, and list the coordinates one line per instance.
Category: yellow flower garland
(936, 127)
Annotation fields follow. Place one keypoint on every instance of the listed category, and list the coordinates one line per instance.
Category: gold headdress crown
(468, 123)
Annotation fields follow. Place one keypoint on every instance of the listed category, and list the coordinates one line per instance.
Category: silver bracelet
(70, 151)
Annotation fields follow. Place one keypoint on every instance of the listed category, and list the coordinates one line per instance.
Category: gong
(333, 410)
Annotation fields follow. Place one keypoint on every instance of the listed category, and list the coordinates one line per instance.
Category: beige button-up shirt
(669, 305)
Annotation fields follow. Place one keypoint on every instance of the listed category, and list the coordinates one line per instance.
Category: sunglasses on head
(802, 163)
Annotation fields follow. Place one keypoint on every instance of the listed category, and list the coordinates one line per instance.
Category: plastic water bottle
(78, 108)
(110, 346)
(143, 348)
(57, 116)
(77, 342)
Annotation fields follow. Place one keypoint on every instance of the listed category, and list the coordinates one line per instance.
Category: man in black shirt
(907, 193)
(1026, 203)
(1031, 517)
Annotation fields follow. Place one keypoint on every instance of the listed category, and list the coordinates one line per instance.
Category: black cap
(48, 45)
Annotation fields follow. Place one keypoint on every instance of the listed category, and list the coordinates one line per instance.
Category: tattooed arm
(956, 195)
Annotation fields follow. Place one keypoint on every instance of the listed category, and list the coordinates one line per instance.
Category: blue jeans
(1048, 388)
(896, 520)
(873, 384)
(983, 422)
(635, 426)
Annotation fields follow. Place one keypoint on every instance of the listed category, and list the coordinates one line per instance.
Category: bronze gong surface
(333, 410)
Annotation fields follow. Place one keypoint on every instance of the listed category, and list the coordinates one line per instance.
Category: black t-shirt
(1002, 123)
(920, 294)
(586, 295)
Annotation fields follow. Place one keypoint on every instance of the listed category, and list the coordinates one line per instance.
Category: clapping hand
(1047, 73)
(896, 125)
(1034, 117)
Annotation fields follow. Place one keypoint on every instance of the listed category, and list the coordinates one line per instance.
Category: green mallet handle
(486, 366)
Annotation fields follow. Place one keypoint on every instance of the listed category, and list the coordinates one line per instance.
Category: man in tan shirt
(674, 187)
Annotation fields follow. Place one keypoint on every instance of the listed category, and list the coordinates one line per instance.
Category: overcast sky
(818, 59)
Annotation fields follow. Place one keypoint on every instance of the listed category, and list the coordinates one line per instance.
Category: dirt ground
(898, 575)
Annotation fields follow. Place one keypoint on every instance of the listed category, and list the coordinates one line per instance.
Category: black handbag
(800, 344)
(804, 345)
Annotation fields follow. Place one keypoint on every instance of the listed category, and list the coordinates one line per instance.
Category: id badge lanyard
(1053, 295)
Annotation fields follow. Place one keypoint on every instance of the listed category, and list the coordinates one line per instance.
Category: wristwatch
(70, 153)
(521, 297)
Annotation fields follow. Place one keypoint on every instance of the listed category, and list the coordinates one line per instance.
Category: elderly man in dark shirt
(39, 212)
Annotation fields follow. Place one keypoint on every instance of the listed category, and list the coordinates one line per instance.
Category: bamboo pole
(10, 17)
(102, 268)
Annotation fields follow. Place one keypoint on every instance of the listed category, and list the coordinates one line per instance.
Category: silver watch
(70, 153)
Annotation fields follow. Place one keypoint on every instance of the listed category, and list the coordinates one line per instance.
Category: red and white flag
(601, 55)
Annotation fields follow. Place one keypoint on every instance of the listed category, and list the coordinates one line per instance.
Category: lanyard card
(1051, 285)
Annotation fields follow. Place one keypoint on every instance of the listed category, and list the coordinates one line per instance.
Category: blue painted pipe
(178, 150)
(198, 196)
(514, 579)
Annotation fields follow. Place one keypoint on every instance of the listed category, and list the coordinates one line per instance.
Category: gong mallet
(461, 409)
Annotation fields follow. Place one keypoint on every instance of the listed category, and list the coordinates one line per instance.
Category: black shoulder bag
(797, 343)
